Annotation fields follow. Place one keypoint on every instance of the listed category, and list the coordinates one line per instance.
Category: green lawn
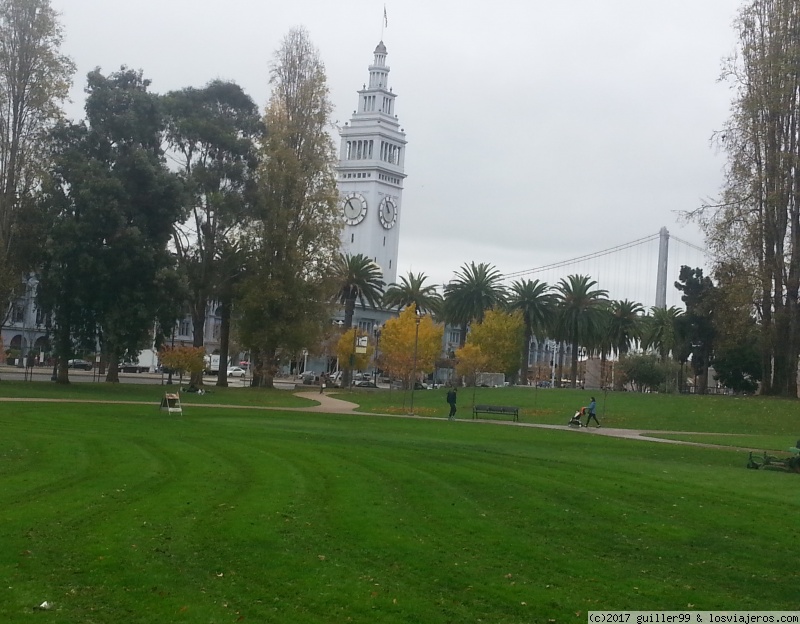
(101, 391)
(117, 513)
(627, 410)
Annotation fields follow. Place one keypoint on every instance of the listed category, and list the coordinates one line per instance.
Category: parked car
(309, 378)
(236, 371)
(366, 384)
(80, 364)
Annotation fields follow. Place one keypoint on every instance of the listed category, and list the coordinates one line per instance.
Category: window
(185, 328)
(18, 313)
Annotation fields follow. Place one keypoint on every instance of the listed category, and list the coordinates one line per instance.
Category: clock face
(387, 213)
(354, 208)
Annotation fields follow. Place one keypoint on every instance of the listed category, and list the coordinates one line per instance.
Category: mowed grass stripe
(288, 517)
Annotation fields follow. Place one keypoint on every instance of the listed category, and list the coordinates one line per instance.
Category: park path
(331, 405)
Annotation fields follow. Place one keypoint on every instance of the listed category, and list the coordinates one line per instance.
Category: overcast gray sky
(537, 131)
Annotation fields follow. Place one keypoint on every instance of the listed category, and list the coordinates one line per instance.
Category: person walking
(590, 410)
(451, 400)
(323, 382)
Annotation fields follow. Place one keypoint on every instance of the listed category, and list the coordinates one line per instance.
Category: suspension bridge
(643, 270)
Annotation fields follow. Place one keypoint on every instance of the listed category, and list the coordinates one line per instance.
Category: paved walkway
(331, 405)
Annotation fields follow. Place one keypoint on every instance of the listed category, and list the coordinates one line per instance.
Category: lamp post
(169, 377)
(414, 374)
(377, 332)
(353, 358)
(338, 324)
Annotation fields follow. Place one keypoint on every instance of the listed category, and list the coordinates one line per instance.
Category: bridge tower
(661, 279)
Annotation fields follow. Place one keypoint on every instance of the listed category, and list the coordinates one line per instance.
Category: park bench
(495, 409)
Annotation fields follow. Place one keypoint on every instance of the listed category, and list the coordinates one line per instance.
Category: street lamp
(377, 333)
(414, 374)
(353, 358)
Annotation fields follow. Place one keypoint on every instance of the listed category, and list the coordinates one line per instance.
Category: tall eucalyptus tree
(756, 221)
(212, 135)
(294, 232)
(35, 78)
(113, 203)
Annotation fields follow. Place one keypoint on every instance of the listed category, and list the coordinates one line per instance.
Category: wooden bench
(495, 409)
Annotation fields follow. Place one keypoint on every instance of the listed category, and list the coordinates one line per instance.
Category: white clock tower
(370, 173)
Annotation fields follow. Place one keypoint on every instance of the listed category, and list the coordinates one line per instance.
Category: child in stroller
(575, 421)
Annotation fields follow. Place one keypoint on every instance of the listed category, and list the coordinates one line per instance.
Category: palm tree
(660, 330)
(622, 326)
(358, 279)
(538, 307)
(474, 290)
(625, 325)
(410, 292)
(580, 314)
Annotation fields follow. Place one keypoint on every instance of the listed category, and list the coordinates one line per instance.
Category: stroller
(575, 421)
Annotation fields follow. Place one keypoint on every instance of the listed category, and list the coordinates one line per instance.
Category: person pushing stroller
(590, 411)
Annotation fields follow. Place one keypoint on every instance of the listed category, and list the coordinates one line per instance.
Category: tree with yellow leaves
(499, 337)
(183, 359)
(345, 351)
(398, 340)
(470, 360)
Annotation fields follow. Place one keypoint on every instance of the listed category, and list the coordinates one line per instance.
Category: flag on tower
(385, 19)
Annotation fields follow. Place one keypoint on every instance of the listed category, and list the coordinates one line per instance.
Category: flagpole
(384, 22)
